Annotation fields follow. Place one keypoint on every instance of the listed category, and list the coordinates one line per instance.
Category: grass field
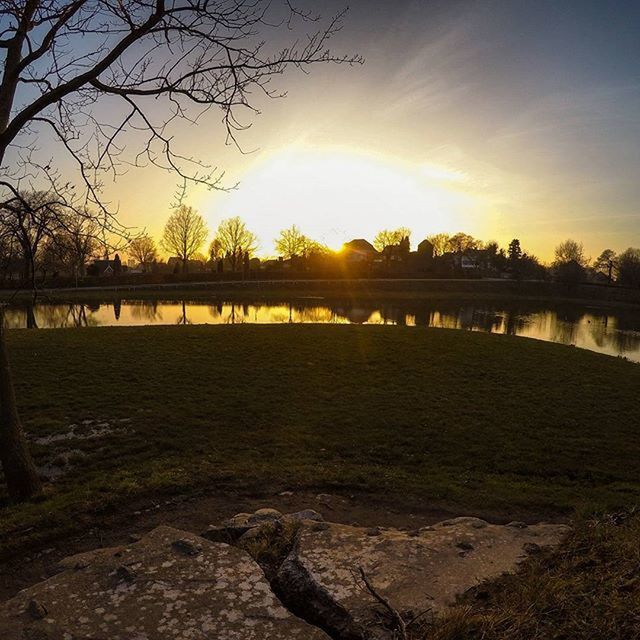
(492, 425)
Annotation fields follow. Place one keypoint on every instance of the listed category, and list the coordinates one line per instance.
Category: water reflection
(614, 333)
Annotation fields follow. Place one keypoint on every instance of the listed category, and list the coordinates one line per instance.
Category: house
(359, 251)
(421, 260)
(105, 267)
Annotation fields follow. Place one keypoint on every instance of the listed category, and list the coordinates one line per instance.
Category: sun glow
(335, 195)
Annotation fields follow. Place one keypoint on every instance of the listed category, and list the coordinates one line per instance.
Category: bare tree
(236, 240)
(184, 234)
(440, 242)
(143, 250)
(570, 251)
(291, 242)
(629, 267)
(155, 62)
(78, 241)
(8, 253)
(30, 218)
(61, 58)
(389, 238)
(461, 242)
(215, 250)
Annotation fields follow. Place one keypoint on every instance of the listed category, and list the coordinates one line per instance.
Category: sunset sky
(513, 118)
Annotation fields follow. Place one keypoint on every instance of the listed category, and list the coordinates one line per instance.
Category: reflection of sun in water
(336, 195)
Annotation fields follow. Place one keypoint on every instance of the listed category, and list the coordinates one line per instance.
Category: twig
(400, 624)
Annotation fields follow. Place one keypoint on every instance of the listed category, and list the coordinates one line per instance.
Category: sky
(503, 119)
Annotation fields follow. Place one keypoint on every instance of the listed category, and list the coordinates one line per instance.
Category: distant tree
(629, 267)
(315, 248)
(440, 242)
(30, 219)
(496, 256)
(514, 252)
(390, 237)
(184, 234)
(570, 251)
(461, 242)
(236, 240)
(8, 253)
(291, 242)
(78, 241)
(143, 250)
(216, 251)
(530, 268)
(606, 263)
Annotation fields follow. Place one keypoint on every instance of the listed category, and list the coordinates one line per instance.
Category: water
(614, 333)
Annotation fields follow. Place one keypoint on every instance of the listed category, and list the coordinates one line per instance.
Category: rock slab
(170, 585)
(416, 571)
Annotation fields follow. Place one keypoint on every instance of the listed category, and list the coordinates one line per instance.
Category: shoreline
(371, 289)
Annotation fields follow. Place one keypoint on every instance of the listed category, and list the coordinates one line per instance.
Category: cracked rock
(218, 593)
(416, 571)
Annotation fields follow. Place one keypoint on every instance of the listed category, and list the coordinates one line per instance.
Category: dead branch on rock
(399, 623)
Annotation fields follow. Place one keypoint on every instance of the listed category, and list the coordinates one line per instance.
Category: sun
(335, 195)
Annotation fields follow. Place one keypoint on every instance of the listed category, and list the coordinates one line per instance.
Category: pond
(615, 333)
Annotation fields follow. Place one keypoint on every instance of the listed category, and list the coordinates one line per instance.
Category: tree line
(38, 235)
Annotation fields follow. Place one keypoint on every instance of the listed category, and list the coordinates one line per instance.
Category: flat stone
(415, 571)
(264, 515)
(154, 590)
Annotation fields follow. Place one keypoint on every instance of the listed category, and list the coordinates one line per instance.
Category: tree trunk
(19, 471)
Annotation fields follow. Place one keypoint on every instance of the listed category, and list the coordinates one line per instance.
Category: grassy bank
(485, 424)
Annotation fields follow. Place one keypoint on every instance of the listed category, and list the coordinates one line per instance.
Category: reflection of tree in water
(315, 314)
(235, 315)
(182, 318)
(78, 315)
(598, 326)
(515, 323)
(31, 316)
(560, 330)
(14, 318)
(625, 342)
(146, 310)
(60, 316)
(117, 308)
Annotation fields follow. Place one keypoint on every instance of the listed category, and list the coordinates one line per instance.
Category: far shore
(389, 289)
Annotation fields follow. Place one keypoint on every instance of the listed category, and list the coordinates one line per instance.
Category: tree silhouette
(570, 251)
(629, 267)
(78, 241)
(143, 250)
(291, 242)
(440, 242)
(606, 263)
(514, 251)
(235, 240)
(461, 242)
(184, 234)
(215, 250)
(388, 238)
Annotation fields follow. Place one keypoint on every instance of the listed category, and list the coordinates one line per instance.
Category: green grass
(475, 423)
